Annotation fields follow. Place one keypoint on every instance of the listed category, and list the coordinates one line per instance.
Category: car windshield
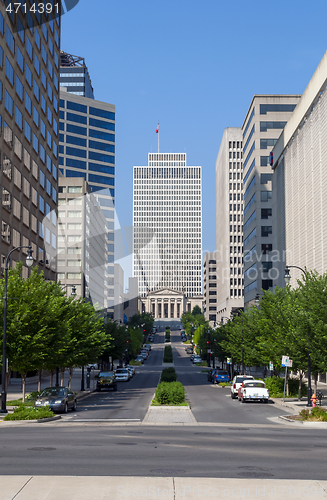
(54, 391)
(239, 380)
(106, 374)
(220, 372)
(121, 370)
(254, 384)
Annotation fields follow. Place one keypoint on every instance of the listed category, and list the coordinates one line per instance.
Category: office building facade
(74, 75)
(87, 149)
(29, 119)
(229, 224)
(210, 287)
(167, 221)
(263, 124)
(300, 184)
(82, 242)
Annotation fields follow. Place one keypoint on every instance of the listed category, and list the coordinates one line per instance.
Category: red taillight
(234, 386)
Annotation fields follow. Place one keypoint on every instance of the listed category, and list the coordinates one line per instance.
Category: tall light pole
(287, 278)
(29, 262)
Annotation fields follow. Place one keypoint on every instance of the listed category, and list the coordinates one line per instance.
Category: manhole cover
(41, 448)
(257, 475)
(126, 444)
(206, 434)
(237, 429)
(167, 472)
(253, 467)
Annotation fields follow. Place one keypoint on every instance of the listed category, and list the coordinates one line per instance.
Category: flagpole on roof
(158, 137)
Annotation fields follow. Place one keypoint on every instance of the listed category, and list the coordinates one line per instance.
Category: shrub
(276, 387)
(168, 375)
(170, 393)
(319, 413)
(167, 336)
(29, 413)
(168, 354)
(135, 363)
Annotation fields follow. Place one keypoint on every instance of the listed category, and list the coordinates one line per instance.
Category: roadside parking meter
(88, 378)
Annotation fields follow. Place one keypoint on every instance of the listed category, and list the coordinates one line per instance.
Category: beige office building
(300, 184)
(82, 241)
(229, 228)
(263, 124)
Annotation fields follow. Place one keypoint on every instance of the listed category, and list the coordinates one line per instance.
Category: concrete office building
(300, 184)
(87, 149)
(29, 120)
(210, 287)
(263, 124)
(167, 220)
(229, 225)
(74, 75)
(82, 241)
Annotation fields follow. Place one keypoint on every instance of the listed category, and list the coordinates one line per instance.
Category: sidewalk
(156, 488)
(15, 391)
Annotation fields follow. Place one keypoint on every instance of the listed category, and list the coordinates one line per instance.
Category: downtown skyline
(192, 77)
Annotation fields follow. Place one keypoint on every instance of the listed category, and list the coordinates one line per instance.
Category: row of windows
(72, 117)
(81, 108)
(249, 138)
(82, 153)
(235, 144)
(80, 141)
(97, 134)
(276, 108)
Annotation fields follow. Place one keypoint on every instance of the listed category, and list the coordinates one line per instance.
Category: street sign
(286, 361)
(229, 361)
(271, 366)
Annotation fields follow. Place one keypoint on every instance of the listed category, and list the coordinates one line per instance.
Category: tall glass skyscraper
(87, 150)
(74, 75)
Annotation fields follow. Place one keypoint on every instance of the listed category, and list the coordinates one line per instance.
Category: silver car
(57, 399)
(122, 375)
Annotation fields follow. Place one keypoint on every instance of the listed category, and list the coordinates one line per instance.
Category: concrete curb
(320, 425)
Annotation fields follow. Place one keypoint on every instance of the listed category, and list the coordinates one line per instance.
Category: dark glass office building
(87, 150)
(74, 75)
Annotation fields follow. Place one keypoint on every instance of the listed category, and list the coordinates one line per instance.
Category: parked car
(145, 352)
(189, 349)
(209, 375)
(192, 356)
(253, 390)
(131, 370)
(122, 375)
(197, 359)
(93, 366)
(57, 399)
(147, 346)
(151, 338)
(106, 380)
(144, 355)
(139, 358)
(236, 384)
(220, 376)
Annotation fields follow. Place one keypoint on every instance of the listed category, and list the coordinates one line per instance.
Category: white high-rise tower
(167, 220)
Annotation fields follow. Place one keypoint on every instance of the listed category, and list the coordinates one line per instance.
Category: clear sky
(193, 66)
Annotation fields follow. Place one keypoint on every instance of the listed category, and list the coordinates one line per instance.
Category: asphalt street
(106, 437)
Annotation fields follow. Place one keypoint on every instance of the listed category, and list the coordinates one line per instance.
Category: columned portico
(168, 303)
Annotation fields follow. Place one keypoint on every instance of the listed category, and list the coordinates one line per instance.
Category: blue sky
(195, 67)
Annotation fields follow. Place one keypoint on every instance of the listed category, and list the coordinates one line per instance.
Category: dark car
(220, 376)
(210, 374)
(106, 380)
(57, 399)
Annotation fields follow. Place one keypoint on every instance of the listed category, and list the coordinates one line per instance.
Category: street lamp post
(29, 262)
(287, 278)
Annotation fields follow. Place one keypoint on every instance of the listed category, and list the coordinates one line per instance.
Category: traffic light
(207, 342)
